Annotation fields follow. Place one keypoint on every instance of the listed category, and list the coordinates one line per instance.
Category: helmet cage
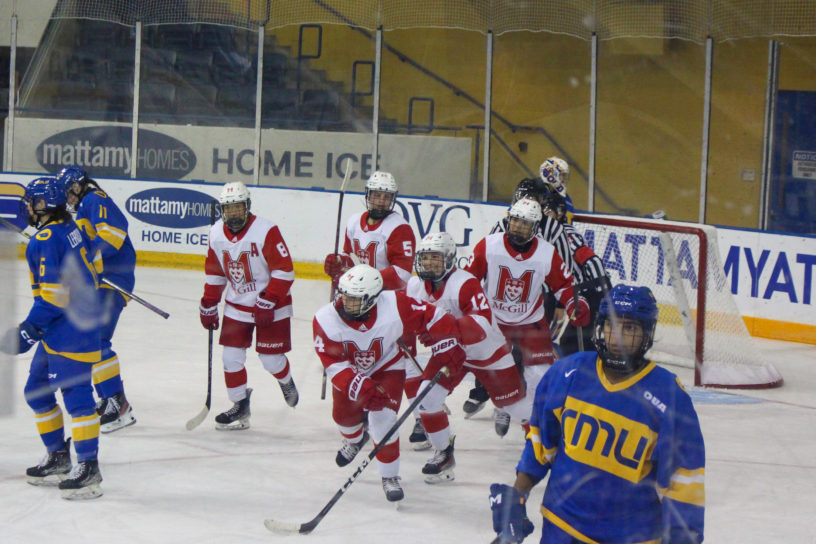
(380, 182)
(556, 203)
(626, 302)
(441, 243)
(234, 192)
(357, 292)
(526, 210)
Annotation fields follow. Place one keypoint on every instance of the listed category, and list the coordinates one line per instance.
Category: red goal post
(700, 326)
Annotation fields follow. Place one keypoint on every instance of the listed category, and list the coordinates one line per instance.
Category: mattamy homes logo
(106, 152)
(171, 207)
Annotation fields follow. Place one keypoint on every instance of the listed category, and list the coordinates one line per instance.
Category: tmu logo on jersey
(239, 271)
(512, 289)
(364, 359)
(368, 254)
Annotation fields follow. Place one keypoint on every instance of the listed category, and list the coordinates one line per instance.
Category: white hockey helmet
(436, 242)
(383, 182)
(234, 192)
(528, 211)
(554, 171)
(359, 288)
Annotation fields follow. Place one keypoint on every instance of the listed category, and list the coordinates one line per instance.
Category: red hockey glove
(208, 311)
(336, 264)
(425, 338)
(447, 353)
(264, 311)
(365, 390)
(578, 317)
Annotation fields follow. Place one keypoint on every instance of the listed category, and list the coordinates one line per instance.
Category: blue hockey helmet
(625, 302)
(50, 191)
(72, 174)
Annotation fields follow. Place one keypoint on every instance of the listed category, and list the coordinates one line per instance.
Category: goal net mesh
(700, 326)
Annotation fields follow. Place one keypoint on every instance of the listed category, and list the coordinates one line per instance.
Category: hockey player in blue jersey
(61, 323)
(114, 258)
(620, 439)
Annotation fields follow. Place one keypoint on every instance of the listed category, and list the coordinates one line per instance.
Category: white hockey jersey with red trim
(388, 246)
(347, 348)
(462, 296)
(514, 282)
(246, 264)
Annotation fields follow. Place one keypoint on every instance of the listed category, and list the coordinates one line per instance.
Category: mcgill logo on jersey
(364, 359)
(367, 254)
(512, 289)
(239, 270)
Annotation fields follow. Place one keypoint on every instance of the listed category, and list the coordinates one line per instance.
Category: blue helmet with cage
(45, 195)
(76, 184)
(72, 174)
(624, 310)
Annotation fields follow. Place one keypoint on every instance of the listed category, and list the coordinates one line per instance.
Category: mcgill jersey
(106, 228)
(635, 445)
(462, 296)
(253, 261)
(514, 282)
(553, 232)
(387, 246)
(58, 253)
(347, 348)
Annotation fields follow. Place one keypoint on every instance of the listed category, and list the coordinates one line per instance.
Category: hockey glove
(365, 390)
(208, 311)
(509, 508)
(264, 311)
(336, 263)
(21, 339)
(447, 353)
(579, 317)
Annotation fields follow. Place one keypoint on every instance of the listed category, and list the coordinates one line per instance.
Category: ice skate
(419, 438)
(349, 451)
(501, 422)
(439, 468)
(472, 407)
(54, 467)
(83, 482)
(290, 392)
(117, 414)
(237, 417)
(393, 489)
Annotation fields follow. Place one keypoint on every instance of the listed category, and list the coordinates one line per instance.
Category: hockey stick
(106, 281)
(346, 177)
(196, 421)
(282, 527)
(580, 330)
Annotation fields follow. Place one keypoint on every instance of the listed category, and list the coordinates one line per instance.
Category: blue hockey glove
(509, 508)
(21, 339)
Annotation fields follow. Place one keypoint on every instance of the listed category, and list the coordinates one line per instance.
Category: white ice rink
(163, 484)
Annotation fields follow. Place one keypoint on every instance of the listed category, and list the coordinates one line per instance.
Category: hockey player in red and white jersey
(487, 354)
(356, 339)
(514, 267)
(378, 237)
(248, 258)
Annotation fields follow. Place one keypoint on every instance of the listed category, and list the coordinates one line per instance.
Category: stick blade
(196, 421)
(282, 527)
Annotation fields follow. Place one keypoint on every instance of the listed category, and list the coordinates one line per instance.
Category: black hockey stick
(346, 177)
(196, 421)
(282, 527)
(106, 281)
(579, 330)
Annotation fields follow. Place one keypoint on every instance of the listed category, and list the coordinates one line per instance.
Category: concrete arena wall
(771, 275)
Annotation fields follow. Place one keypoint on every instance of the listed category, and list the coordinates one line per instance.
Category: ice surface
(164, 484)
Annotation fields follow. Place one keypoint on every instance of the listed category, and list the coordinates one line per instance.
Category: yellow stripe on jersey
(54, 293)
(543, 455)
(85, 225)
(105, 370)
(607, 440)
(686, 486)
(112, 235)
(85, 427)
(49, 421)
(574, 533)
(86, 357)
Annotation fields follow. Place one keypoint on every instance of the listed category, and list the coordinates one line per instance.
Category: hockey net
(700, 326)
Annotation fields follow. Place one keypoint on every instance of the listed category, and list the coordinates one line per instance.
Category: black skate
(501, 422)
(83, 482)
(54, 467)
(237, 417)
(439, 468)
(349, 451)
(290, 392)
(419, 438)
(477, 398)
(117, 414)
(393, 489)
